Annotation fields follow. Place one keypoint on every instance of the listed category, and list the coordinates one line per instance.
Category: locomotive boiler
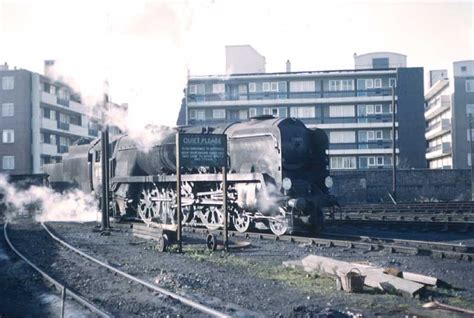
(277, 177)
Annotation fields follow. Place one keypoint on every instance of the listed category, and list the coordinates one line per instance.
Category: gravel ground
(113, 293)
(251, 281)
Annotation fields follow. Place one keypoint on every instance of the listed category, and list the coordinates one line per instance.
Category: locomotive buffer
(201, 150)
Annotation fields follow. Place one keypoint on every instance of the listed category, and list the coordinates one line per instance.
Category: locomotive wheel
(213, 218)
(279, 224)
(241, 222)
(146, 207)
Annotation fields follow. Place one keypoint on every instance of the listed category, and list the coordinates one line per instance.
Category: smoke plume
(47, 205)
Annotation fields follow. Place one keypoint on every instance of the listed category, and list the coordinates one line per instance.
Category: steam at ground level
(47, 205)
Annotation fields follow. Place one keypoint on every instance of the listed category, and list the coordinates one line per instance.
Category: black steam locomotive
(278, 177)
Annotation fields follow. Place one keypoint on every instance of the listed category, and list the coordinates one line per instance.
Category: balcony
(49, 124)
(77, 107)
(49, 149)
(223, 100)
(442, 104)
(441, 150)
(48, 98)
(78, 130)
(440, 128)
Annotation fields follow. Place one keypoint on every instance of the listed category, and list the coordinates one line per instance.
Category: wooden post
(178, 196)
(224, 207)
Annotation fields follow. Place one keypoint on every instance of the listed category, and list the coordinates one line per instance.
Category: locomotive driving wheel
(241, 221)
(279, 223)
(147, 209)
(213, 217)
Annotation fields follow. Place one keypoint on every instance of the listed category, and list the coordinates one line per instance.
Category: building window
(63, 94)
(8, 136)
(8, 162)
(8, 110)
(369, 109)
(341, 85)
(8, 82)
(252, 112)
(274, 87)
(470, 85)
(218, 113)
(392, 82)
(200, 115)
(302, 86)
(252, 87)
(341, 111)
(378, 109)
(463, 68)
(218, 88)
(343, 163)
(369, 83)
(272, 111)
(342, 137)
(379, 135)
(378, 83)
(303, 112)
(192, 89)
(266, 87)
(472, 134)
(63, 118)
(243, 114)
(53, 140)
(52, 115)
(470, 109)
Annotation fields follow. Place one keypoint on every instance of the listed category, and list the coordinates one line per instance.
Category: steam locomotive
(277, 177)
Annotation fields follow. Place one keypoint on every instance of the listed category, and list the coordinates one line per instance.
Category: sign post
(179, 233)
(201, 150)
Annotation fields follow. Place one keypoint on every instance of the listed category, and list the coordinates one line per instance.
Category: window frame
(8, 83)
(6, 134)
(218, 88)
(8, 109)
(193, 89)
(220, 112)
(252, 87)
(265, 86)
(377, 83)
(469, 85)
(252, 112)
(4, 166)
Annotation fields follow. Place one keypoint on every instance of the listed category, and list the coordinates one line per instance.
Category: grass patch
(264, 270)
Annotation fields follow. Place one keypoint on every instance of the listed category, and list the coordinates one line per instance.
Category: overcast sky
(145, 48)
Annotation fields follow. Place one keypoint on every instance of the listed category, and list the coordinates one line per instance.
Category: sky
(145, 49)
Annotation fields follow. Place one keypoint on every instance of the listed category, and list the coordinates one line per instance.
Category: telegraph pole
(394, 149)
(471, 156)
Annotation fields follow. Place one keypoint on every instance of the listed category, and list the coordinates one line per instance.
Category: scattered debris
(437, 305)
(387, 280)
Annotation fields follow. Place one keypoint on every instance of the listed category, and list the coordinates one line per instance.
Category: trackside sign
(202, 150)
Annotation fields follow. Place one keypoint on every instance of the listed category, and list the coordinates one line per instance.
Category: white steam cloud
(72, 206)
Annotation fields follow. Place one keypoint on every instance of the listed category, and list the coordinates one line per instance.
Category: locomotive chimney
(288, 66)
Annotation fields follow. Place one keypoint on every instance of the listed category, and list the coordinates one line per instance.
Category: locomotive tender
(277, 177)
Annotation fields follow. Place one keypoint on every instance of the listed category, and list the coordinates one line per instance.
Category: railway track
(71, 257)
(450, 216)
(412, 247)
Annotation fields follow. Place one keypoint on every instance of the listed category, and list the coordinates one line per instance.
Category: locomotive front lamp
(286, 184)
(328, 182)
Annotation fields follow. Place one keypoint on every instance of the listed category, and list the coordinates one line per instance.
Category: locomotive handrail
(232, 177)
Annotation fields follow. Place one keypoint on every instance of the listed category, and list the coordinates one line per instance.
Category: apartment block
(354, 107)
(449, 102)
(40, 118)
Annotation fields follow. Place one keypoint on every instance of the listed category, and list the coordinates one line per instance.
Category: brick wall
(412, 185)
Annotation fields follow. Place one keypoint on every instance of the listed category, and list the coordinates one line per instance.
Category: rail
(61, 288)
(202, 308)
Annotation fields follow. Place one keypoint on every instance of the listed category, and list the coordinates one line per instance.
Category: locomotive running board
(214, 177)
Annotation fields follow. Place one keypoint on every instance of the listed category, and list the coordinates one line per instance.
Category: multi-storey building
(352, 106)
(39, 120)
(448, 103)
